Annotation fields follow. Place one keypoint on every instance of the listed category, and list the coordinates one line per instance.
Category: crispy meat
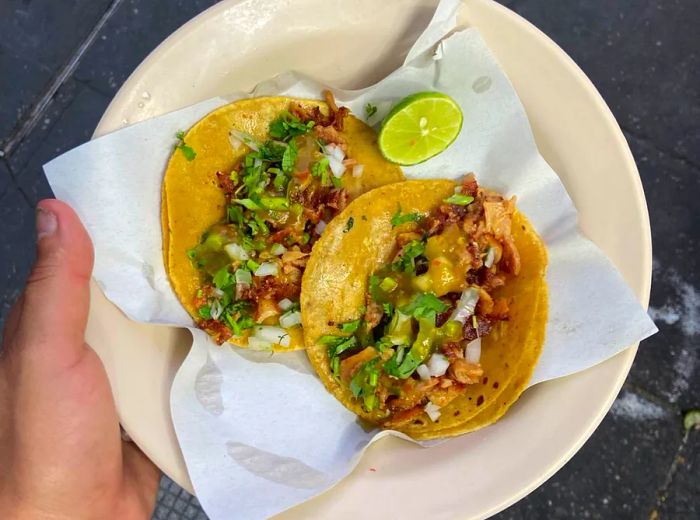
(374, 314)
(442, 396)
(469, 185)
(464, 372)
(276, 288)
(483, 328)
(331, 136)
(337, 199)
(403, 417)
(413, 393)
(490, 280)
(350, 365)
(226, 184)
(217, 329)
(452, 350)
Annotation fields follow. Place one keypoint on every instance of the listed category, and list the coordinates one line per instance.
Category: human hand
(61, 452)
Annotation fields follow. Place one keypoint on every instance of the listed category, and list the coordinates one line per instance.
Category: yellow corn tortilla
(192, 200)
(336, 279)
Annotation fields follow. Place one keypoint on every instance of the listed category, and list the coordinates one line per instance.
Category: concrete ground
(61, 63)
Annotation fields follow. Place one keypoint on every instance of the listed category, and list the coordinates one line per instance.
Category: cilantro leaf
(424, 305)
(349, 224)
(247, 203)
(370, 109)
(288, 126)
(399, 219)
(338, 344)
(459, 199)
(320, 169)
(289, 158)
(204, 312)
(222, 278)
(187, 151)
(275, 203)
(407, 261)
(350, 326)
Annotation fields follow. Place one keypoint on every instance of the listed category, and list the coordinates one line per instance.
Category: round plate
(234, 45)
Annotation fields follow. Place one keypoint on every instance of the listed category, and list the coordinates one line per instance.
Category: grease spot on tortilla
(207, 387)
(276, 468)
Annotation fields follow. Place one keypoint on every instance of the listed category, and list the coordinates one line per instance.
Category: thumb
(57, 297)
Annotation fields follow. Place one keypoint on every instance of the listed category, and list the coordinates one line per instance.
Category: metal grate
(174, 503)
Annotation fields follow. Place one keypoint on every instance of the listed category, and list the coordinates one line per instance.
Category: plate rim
(625, 358)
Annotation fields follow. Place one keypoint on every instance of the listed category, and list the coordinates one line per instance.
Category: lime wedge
(419, 127)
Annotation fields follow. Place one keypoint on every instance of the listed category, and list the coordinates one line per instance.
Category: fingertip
(59, 222)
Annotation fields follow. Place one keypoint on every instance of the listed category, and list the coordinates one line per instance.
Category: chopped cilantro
(305, 237)
(252, 265)
(407, 261)
(320, 169)
(338, 344)
(289, 158)
(350, 326)
(424, 305)
(459, 199)
(388, 309)
(186, 150)
(288, 126)
(247, 203)
(370, 109)
(235, 215)
(349, 224)
(399, 219)
(223, 278)
(275, 203)
(364, 383)
(204, 312)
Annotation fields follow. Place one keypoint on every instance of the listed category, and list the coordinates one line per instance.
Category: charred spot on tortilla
(246, 194)
(445, 289)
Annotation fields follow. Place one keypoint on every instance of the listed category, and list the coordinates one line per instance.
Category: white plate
(352, 44)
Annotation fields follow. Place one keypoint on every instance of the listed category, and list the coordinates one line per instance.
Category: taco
(246, 194)
(428, 315)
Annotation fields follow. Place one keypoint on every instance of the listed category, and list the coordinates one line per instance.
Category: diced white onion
(285, 304)
(335, 151)
(438, 365)
(423, 372)
(358, 170)
(271, 334)
(278, 249)
(490, 257)
(290, 319)
(236, 252)
(245, 138)
(217, 292)
(258, 344)
(433, 411)
(244, 277)
(335, 156)
(216, 309)
(472, 352)
(267, 269)
(466, 305)
(320, 226)
(235, 142)
(337, 166)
